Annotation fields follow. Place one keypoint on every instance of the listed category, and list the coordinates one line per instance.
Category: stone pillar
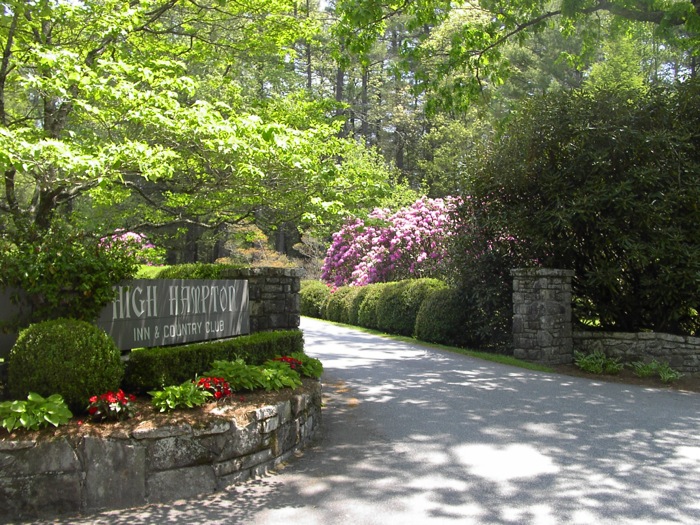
(542, 325)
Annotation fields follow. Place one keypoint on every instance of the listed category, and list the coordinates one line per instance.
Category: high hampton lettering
(142, 302)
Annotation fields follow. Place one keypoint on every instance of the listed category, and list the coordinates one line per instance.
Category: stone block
(181, 483)
(115, 473)
(241, 442)
(39, 495)
(270, 425)
(284, 411)
(233, 479)
(45, 458)
(285, 438)
(162, 432)
(176, 452)
(298, 404)
(256, 459)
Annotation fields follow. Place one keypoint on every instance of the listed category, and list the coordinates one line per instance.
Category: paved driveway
(416, 435)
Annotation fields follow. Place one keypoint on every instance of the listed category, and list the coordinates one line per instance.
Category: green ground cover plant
(34, 413)
(597, 363)
(185, 395)
(655, 368)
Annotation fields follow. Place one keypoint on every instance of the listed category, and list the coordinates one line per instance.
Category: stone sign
(159, 312)
(162, 312)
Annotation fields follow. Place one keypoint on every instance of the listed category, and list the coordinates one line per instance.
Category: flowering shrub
(135, 244)
(218, 387)
(294, 364)
(409, 243)
(111, 406)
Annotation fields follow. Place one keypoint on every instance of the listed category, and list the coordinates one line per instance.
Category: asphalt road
(416, 435)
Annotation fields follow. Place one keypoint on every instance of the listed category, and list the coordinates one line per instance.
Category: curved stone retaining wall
(39, 479)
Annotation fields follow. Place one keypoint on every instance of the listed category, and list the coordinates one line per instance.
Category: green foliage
(186, 395)
(597, 363)
(34, 413)
(367, 312)
(313, 295)
(653, 367)
(152, 368)
(601, 182)
(354, 300)
(400, 302)
(446, 316)
(310, 366)
(668, 374)
(642, 369)
(72, 358)
(63, 274)
(278, 375)
(272, 375)
(239, 375)
(148, 272)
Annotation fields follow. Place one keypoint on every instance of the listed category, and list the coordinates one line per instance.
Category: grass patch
(486, 356)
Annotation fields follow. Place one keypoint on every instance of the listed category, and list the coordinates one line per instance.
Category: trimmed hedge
(367, 312)
(154, 368)
(399, 303)
(336, 308)
(200, 271)
(447, 317)
(313, 295)
(425, 308)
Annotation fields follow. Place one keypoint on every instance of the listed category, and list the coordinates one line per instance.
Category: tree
(473, 55)
(103, 103)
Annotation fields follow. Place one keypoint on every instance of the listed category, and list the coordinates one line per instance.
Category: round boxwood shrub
(399, 304)
(64, 356)
(448, 317)
(313, 295)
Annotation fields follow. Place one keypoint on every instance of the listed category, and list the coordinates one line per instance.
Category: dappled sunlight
(504, 463)
(462, 441)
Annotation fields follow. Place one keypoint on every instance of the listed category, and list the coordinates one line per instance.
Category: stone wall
(274, 297)
(542, 315)
(680, 352)
(543, 328)
(150, 465)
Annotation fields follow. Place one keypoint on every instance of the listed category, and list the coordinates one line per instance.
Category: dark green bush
(447, 317)
(72, 358)
(154, 368)
(367, 313)
(336, 308)
(313, 295)
(64, 273)
(399, 303)
(603, 182)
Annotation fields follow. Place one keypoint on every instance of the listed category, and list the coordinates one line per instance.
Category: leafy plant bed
(240, 407)
(83, 467)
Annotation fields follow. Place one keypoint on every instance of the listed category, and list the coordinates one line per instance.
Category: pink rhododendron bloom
(409, 243)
